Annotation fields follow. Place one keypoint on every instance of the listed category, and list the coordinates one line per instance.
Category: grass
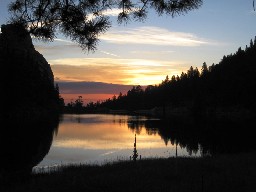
(235, 173)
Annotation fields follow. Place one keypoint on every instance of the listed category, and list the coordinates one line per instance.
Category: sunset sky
(143, 53)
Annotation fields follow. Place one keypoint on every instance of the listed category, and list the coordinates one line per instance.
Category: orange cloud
(115, 70)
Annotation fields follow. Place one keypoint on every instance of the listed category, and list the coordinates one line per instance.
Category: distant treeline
(224, 88)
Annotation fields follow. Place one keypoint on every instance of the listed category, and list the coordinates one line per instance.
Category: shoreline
(233, 172)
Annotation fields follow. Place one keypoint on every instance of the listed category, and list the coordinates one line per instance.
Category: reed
(182, 174)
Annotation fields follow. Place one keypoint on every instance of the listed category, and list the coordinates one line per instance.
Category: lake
(101, 138)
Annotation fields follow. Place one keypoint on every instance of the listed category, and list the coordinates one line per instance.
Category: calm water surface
(97, 139)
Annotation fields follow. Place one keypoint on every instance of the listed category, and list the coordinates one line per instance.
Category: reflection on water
(24, 145)
(97, 138)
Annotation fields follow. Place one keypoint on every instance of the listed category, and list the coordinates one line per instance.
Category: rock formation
(27, 81)
(29, 104)
(17, 43)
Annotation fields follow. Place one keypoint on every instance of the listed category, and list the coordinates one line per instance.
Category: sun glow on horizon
(87, 98)
(115, 70)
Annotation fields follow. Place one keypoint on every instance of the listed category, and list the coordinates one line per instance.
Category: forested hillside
(224, 88)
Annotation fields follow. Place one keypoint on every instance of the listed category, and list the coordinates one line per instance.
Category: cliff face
(26, 80)
(16, 42)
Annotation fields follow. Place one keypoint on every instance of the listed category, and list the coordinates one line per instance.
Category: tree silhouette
(204, 69)
(79, 103)
(84, 20)
(223, 89)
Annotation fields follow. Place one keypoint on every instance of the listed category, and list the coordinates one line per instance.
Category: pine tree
(84, 20)
(204, 69)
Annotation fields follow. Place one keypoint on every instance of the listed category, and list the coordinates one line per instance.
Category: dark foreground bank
(211, 174)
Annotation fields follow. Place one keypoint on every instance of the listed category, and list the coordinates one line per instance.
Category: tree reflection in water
(23, 146)
(206, 137)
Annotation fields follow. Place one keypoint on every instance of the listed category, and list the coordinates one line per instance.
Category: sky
(144, 53)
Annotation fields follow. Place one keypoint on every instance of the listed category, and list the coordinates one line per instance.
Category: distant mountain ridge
(92, 87)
